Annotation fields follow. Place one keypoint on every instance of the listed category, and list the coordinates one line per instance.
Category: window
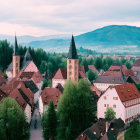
(70, 61)
(115, 98)
(70, 67)
(104, 105)
(105, 97)
(114, 106)
(107, 105)
(16, 64)
(16, 71)
(69, 73)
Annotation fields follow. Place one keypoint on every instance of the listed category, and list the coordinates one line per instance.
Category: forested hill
(113, 35)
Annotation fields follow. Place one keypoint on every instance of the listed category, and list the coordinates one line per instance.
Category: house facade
(124, 99)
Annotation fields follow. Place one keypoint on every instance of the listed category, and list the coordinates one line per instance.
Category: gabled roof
(127, 92)
(110, 79)
(27, 56)
(94, 132)
(10, 67)
(16, 47)
(92, 67)
(61, 74)
(72, 54)
(50, 94)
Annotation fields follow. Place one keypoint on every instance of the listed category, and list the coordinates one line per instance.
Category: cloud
(45, 17)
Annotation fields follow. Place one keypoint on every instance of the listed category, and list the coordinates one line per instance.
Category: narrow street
(36, 133)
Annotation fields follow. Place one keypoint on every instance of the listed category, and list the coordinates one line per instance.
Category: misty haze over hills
(117, 38)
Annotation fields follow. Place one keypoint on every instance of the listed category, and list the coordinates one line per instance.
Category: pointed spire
(15, 47)
(72, 50)
(27, 56)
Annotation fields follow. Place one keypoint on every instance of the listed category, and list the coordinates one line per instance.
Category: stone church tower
(16, 60)
(72, 62)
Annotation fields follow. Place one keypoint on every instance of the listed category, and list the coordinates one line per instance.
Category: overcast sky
(49, 17)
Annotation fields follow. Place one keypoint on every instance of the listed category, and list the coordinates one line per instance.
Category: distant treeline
(46, 62)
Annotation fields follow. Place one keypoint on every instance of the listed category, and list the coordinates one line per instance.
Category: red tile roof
(127, 92)
(128, 72)
(112, 73)
(92, 67)
(90, 56)
(16, 94)
(93, 88)
(114, 68)
(124, 67)
(35, 76)
(61, 74)
(27, 75)
(2, 95)
(50, 94)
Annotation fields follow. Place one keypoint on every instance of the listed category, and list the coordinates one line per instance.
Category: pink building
(124, 99)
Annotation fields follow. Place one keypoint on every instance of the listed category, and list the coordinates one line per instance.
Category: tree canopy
(91, 75)
(13, 124)
(74, 109)
(49, 123)
(109, 114)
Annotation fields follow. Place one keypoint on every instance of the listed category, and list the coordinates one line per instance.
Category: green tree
(49, 123)
(13, 125)
(138, 86)
(109, 114)
(43, 67)
(123, 61)
(85, 64)
(46, 83)
(75, 110)
(98, 63)
(91, 75)
(128, 65)
(132, 133)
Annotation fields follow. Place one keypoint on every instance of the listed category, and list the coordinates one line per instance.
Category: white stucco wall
(103, 86)
(36, 96)
(132, 112)
(40, 106)
(27, 112)
(55, 82)
(109, 101)
(10, 75)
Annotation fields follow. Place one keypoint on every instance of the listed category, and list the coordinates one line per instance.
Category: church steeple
(72, 50)
(72, 63)
(16, 59)
(16, 47)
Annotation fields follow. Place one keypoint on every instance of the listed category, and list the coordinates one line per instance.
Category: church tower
(72, 62)
(16, 60)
